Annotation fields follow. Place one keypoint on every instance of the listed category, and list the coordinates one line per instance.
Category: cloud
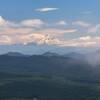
(14, 31)
(47, 39)
(31, 38)
(32, 23)
(6, 23)
(29, 30)
(28, 38)
(47, 9)
(4, 39)
(36, 23)
(39, 39)
(33, 31)
(56, 31)
(21, 27)
(81, 23)
(86, 41)
(25, 36)
(62, 22)
(94, 29)
(2, 21)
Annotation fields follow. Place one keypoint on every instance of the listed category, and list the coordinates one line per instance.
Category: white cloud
(81, 23)
(39, 39)
(14, 31)
(56, 31)
(28, 38)
(86, 41)
(7, 23)
(28, 33)
(4, 39)
(94, 29)
(32, 23)
(46, 9)
(85, 38)
(25, 36)
(36, 23)
(2, 21)
(62, 22)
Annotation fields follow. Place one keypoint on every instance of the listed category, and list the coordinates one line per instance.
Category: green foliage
(27, 87)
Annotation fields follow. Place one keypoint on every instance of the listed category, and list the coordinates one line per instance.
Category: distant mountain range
(69, 65)
(50, 54)
(17, 54)
(46, 54)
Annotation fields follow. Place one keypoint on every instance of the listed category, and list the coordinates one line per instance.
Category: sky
(35, 25)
